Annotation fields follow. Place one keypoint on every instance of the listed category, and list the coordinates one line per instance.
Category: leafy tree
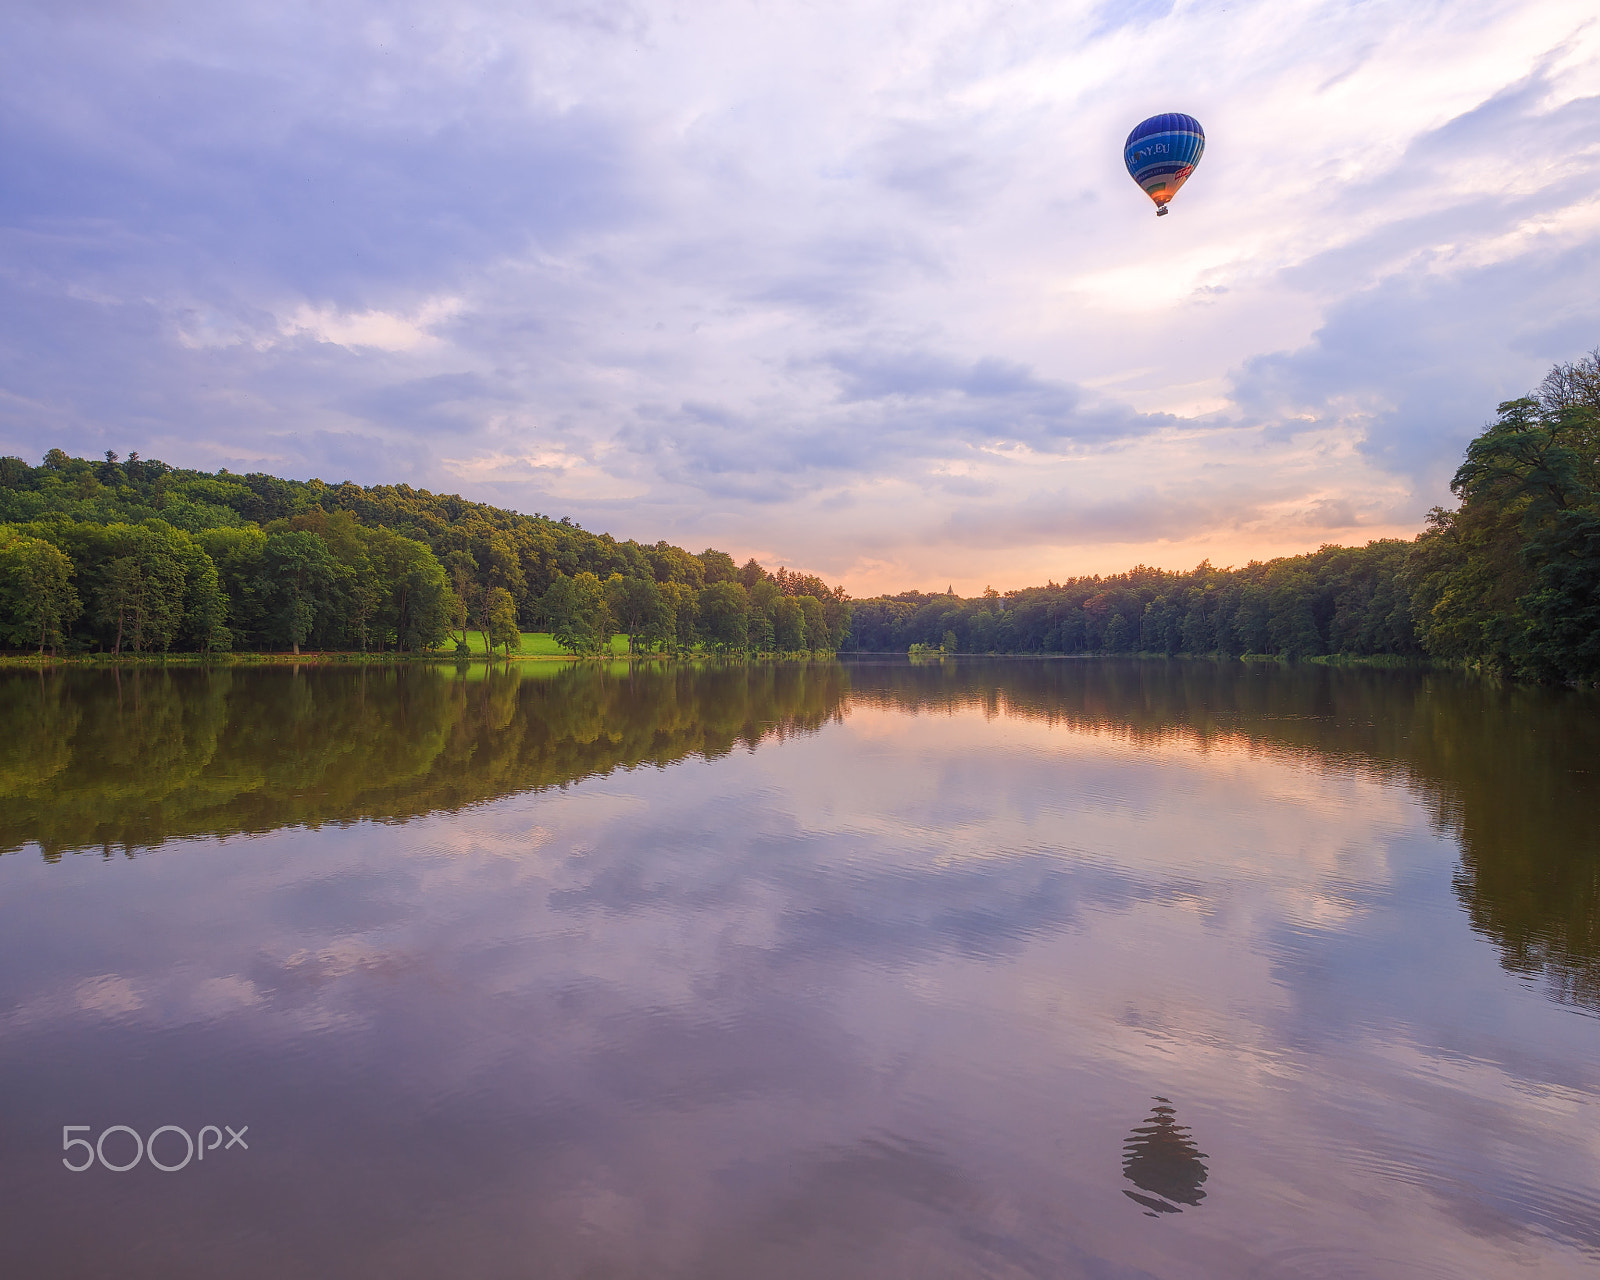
(679, 614)
(463, 571)
(816, 624)
(764, 595)
(669, 564)
(204, 626)
(122, 592)
(1511, 580)
(299, 586)
(575, 609)
(37, 598)
(141, 588)
(788, 625)
(718, 566)
(503, 629)
(761, 632)
(724, 615)
(1563, 609)
(635, 605)
(239, 557)
(751, 574)
(416, 604)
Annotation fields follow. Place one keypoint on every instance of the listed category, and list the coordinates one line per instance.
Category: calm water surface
(1014, 969)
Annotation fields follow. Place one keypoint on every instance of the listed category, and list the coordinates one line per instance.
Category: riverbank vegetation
(528, 646)
(137, 557)
(1508, 582)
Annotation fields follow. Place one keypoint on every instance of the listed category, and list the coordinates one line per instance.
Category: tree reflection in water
(95, 759)
(1160, 1157)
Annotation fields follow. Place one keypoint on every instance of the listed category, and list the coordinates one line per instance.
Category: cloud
(873, 377)
(837, 282)
(380, 330)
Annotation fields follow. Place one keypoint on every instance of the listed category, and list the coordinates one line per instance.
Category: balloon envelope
(1162, 152)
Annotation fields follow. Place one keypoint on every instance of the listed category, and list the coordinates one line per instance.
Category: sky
(858, 287)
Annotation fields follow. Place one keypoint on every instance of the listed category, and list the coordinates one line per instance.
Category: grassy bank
(539, 646)
(536, 646)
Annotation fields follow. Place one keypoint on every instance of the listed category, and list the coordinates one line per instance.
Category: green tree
(680, 613)
(816, 624)
(718, 566)
(122, 597)
(1197, 633)
(142, 588)
(415, 602)
(1563, 609)
(575, 609)
(37, 598)
(724, 615)
(463, 571)
(762, 635)
(788, 625)
(238, 555)
(204, 626)
(299, 585)
(1511, 580)
(503, 629)
(635, 604)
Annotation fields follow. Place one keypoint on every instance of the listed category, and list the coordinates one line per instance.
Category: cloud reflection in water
(841, 971)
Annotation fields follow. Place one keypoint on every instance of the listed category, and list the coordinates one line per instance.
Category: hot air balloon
(1162, 152)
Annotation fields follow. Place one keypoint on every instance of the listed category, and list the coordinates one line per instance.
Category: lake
(964, 968)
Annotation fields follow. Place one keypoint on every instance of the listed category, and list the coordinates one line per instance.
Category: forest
(133, 556)
(1509, 582)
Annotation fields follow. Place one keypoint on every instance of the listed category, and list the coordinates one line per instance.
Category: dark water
(967, 969)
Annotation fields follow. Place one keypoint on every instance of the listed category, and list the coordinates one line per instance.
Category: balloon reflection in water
(1160, 1157)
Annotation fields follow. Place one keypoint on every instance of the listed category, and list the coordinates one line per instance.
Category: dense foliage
(136, 556)
(1339, 599)
(1508, 582)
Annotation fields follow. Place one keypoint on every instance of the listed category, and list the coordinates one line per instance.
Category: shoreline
(329, 658)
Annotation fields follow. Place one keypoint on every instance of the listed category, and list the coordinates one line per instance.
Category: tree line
(134, 556)
(1508, 582)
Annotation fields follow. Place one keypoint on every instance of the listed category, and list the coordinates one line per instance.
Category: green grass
(535, 644)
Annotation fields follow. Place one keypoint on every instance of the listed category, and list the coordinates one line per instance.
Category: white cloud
(380, 330)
